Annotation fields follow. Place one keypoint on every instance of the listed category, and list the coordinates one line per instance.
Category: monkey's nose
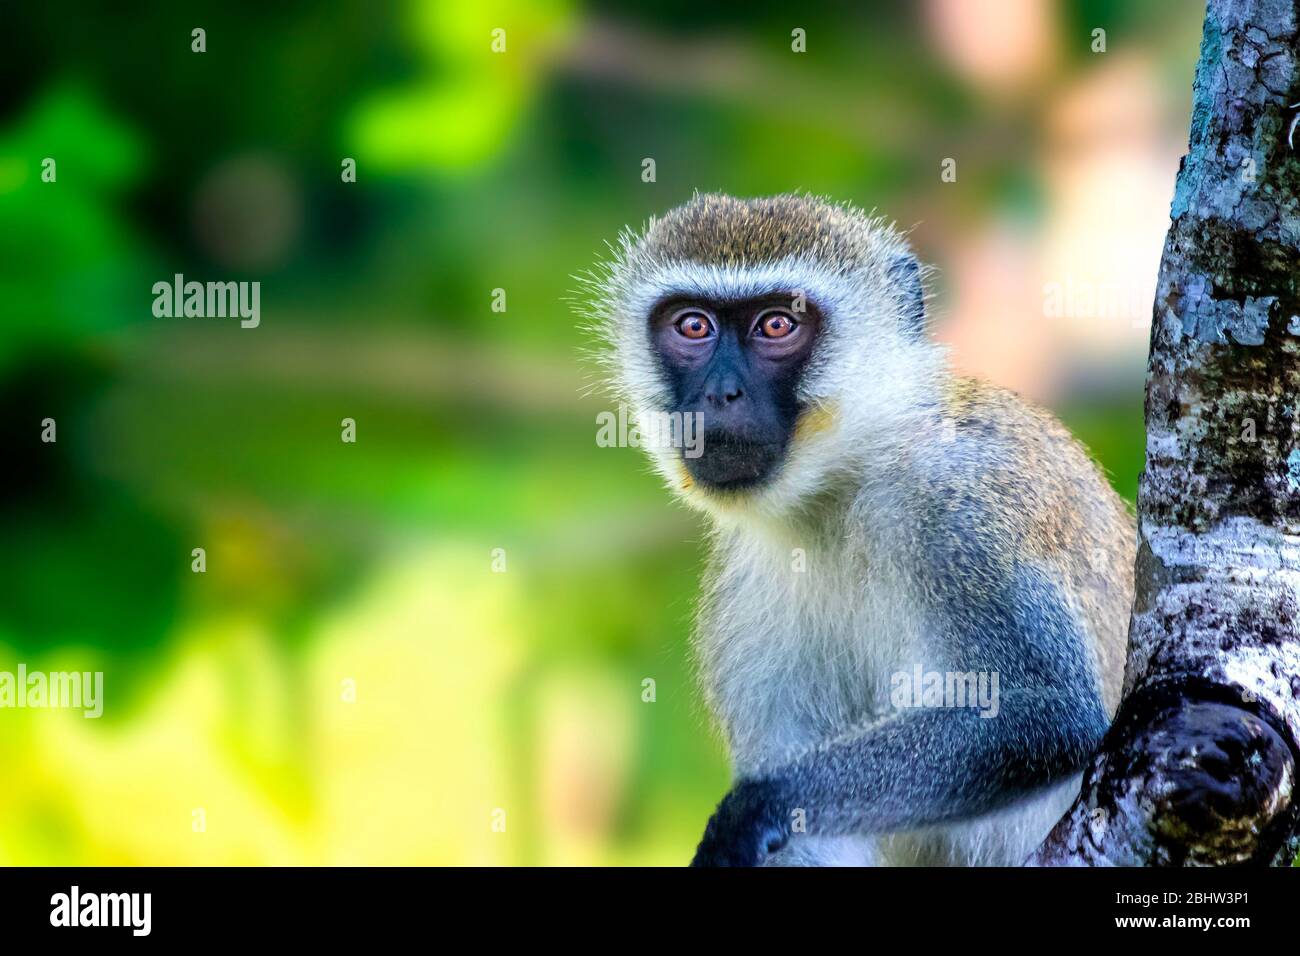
(723, 393)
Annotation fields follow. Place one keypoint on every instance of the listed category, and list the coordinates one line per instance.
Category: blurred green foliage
(475, 431)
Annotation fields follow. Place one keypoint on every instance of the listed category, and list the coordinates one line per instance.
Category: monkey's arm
(926, 766)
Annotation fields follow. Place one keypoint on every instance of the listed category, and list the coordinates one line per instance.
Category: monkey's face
(772, 403)
(733, 370)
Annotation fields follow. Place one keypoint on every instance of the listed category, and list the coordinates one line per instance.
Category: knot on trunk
(1208, 782)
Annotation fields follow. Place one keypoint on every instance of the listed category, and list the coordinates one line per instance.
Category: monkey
(877, 524)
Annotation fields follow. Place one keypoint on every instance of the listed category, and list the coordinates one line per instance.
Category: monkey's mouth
(729, 463)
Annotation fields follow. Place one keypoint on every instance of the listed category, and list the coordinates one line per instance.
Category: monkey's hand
(750, 823)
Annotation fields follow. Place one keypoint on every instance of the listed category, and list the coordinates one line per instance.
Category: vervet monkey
(912, 631)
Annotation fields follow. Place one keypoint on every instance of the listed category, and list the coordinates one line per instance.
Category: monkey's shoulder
(1012, 475)
(994, 426)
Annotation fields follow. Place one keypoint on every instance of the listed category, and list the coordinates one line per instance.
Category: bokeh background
(351, 680)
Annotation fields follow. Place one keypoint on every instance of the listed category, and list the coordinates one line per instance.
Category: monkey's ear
(905, 271)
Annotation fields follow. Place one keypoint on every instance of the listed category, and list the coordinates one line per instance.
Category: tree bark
(1200, 765)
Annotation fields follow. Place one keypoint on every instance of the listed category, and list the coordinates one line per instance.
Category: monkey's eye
(694, 325)
(776, 325)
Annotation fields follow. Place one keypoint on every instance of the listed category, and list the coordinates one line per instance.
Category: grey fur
(919, 521)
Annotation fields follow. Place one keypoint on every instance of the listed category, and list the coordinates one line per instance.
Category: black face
(737, 364)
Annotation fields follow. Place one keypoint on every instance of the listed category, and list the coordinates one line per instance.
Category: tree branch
(1200, 765)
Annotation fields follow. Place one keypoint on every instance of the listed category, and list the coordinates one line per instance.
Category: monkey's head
(764, 344)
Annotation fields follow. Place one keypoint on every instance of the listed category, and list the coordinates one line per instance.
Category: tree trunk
(1200, 764)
